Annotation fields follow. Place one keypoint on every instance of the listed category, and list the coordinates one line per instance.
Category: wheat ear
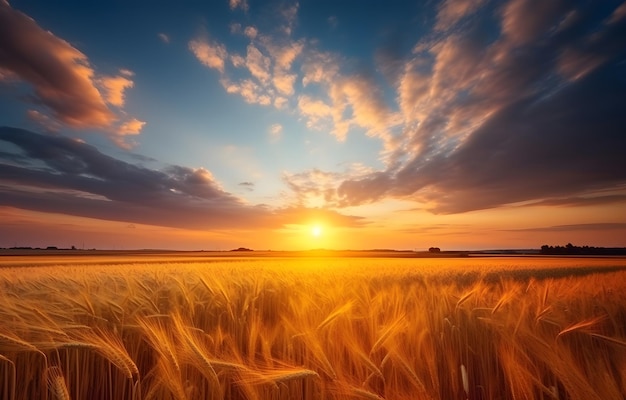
(56, 383)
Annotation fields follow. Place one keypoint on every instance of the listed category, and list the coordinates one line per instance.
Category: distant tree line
(570, 249)
(40, 248)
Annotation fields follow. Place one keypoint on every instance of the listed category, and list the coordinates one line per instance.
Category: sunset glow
(291, 125)
(316, 231)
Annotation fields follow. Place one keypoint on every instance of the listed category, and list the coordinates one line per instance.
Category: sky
(286, 125)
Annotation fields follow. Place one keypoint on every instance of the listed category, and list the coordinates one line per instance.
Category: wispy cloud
(606, 226)
(44, 120)
(452, 11)
(249, 186)
(598, 199)
(66, 86)
(333, 22)
(275, 131)
(164, 38)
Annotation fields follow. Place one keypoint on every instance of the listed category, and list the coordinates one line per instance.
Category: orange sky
(474, 231)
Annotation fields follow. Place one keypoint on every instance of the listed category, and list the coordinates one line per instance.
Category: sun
(316, 231)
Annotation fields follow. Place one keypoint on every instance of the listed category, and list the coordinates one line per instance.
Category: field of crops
(312, 328)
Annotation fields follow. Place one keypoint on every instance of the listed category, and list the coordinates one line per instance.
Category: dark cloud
(142, 158)
(535, 114)
(61, 175)
(249, 186)
(571, 143)
(583, 201)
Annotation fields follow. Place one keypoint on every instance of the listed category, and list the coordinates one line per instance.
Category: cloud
(319, 67)
(164, 38)
(305, 215)
(268, 60)
(242, 4)
(131, 127)
(275, 131)
(368, 110)
(606, 226)
(280, 102)
(598, 199)
(618, 15)
(283, 82)
(56, 174)
(251, 92)
(251, 32)
(266, 69)
(290, 17)
(48, 123)
(333, 21)
(346, 101)
(7, 76)
(317, 187)
(209, 53)
(249, 186)
(237, 61)
(114, 87)
(569, 144)
(314, 110)
(59, 73)
(523, 21)
(491, 121)
(258, 64)
(452, 11)
(283, 56)
(499, 104)
(65, 84)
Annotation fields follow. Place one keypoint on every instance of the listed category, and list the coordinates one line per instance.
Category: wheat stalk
(56, 383)
(580, 325)
(3, 358)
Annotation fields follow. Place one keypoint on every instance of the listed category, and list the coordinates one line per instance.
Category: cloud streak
(60, 175)
(607, 226)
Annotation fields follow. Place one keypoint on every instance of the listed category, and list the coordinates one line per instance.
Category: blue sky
(391, 124)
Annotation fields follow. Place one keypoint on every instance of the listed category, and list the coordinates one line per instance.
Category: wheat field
(313, 328)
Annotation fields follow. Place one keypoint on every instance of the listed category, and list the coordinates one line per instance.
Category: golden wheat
(316, 328)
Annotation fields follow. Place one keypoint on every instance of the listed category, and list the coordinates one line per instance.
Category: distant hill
(242, 249)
